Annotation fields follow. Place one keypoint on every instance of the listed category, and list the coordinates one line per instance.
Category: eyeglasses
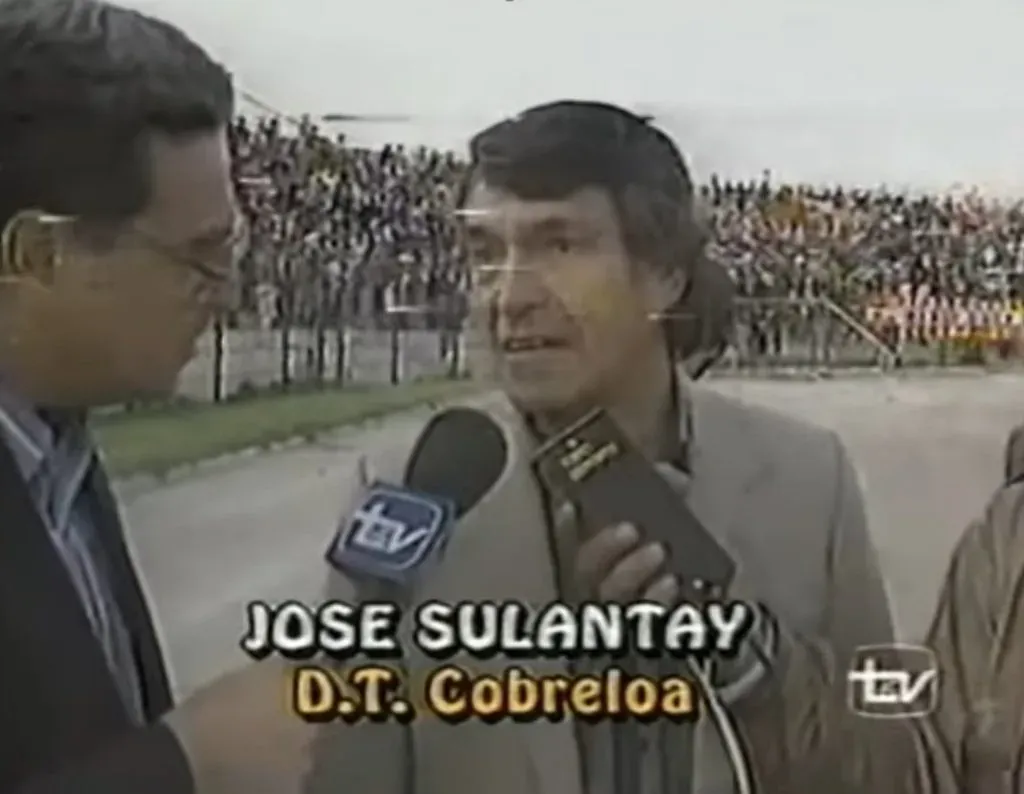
(210, 265)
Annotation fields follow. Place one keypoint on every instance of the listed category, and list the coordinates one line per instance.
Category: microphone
(461, 454)
(596, 465)
(599, 468)
(398, 532)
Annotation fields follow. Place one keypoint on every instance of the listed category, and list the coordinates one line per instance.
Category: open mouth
(531, 344)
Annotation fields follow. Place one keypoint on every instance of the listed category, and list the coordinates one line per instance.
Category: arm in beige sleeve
(977, 637)
(803, 735)
(798, 727)
(857, 605)
(858, 610)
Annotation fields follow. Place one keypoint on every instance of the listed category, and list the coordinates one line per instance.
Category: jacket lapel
(156, 692)
(501, 551)
(725, 459)
(728, 467)
(36, 591)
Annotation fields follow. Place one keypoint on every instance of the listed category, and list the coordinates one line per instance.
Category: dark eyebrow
(552, 226)
(214, 235)
(478, 229)
(476, 226)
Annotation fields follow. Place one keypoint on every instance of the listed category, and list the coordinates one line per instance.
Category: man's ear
(663, 290)
(31, 245)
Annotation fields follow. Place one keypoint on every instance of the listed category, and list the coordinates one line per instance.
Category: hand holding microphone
(652, 546)
(238, 734)
(617, 564)
(613, 484)
(644, 523)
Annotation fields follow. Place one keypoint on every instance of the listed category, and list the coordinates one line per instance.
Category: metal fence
(770, 334)
(233, 362)
(802, 333)
(819, 334)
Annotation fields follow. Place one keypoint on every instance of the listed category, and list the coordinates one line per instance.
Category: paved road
(928, 450)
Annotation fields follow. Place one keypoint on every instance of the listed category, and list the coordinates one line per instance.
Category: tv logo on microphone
(391, 533)
(893, 681)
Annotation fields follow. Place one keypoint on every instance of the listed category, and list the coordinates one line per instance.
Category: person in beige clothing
(973, 743)
(585, 254)
(1013, 455)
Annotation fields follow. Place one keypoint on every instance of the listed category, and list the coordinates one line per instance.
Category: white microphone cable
(701, 672)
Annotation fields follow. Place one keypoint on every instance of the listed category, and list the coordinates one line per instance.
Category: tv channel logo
(893, 681)
(391, 534)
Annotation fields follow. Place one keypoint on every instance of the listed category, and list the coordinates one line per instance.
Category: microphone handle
(389, 591)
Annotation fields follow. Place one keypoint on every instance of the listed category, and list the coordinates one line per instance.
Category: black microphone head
(397, 531)
(460, 455)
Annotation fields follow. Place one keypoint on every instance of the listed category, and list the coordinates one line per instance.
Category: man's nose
(520, 286)
(222, 294)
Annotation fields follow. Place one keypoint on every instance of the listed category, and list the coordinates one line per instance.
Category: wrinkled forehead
(499, 212)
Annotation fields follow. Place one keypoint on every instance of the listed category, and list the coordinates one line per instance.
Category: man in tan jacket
(973, 743)
(585, 255)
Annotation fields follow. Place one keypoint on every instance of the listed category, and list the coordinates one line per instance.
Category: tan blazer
(780, 494)
(974, 741)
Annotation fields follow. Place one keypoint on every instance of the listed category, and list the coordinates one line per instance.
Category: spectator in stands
(343, 232)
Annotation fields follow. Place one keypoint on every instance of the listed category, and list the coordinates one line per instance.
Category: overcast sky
(826, 89)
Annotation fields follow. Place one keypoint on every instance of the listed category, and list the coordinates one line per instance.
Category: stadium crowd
(340, 233)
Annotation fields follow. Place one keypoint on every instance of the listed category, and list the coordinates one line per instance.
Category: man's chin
(70, 390)
(537, 397)
(146, 392)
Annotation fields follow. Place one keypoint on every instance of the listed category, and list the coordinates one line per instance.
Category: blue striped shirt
(55, 460)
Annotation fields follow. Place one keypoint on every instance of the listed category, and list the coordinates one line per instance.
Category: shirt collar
(678, 425)
(680, 422)
(30, 437)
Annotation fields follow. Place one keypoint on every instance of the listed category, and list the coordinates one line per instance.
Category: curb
(343, 435)
(134, 484)
(909, 373)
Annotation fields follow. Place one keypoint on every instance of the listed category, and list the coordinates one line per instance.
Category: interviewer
(120, 233)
